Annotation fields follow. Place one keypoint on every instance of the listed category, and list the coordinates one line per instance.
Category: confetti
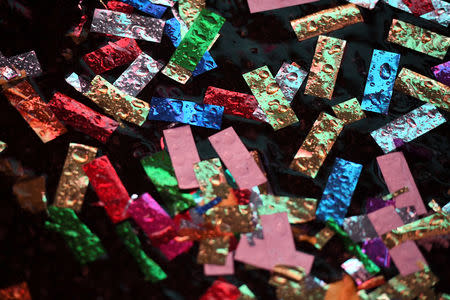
(234, 218)
(219, 270)
(318, 240)
(377, 252)
(30, 193)
(349, 111)
(190, 9)
(300, 210)
(290, 78)
(433, 10)
(3, 146)
(16, 292)
(369, 4)
(176, 72)
(164, 2)
(264, 5)
(147, 7)
(246, 293)
(28, 62)
(213, 251)
(359, 228)
(78, 32)
(78, 82)
(120, 7)
(442, 73)
(221, 290)
(356, 270)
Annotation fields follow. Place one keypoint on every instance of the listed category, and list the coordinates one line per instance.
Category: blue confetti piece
(147, 7)
(339, 190)
(203, 209)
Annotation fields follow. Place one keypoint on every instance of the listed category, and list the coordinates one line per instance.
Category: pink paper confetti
(217, 270)
(263, 5)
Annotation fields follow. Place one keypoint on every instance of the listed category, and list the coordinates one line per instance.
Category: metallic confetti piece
(408, 127)
(300, 210)
(113, 55)
(380, 81)
(213, 251)
(148, 267)
(325, 67)
(18, 291)
(237, 159)
(78, 82)
(219, 270)
(246, 293)
(200, 210)
(377, 252)
(222, 290)
(188, 112)
(369, 4)
(190, 9)
(264, 5)
(147, 7)
(423, 88)
(117, 103)
(127, 25)
(349, 111)
(3, 146)
(35, 111)
(85, 245)
(158, 226)
(418, 39)
(120, 7)
(395, 194)
(356, 270)
(164, 2)
(433, 10)
(235, 218)
(78, 32)
(290, 78)
(317, 144)
(82, 118)
(27, 61)
(176, 72)
(442, 72)
(254, 203)
(109, 188)
(318, 240)
(372, 283)
(30, 193)
(359, 228)
(264, 188)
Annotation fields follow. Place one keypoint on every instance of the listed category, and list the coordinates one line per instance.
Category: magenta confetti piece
(263, 5)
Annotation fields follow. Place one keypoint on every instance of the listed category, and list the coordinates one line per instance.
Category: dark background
(30, 253)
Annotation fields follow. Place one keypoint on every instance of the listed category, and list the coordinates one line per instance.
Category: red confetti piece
(16, 292)
(243, 196)
(120, 7)
(419, 7)
(221, 290)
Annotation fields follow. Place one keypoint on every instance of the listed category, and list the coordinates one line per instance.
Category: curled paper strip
(78, 82)
(30, 193)
(300, 210)
(442, 73)
(221, 289)
(433, 10)
(147, 7)
(349, 111)
(213, 251)
(290, 78)
(16, 292)
(190, 9)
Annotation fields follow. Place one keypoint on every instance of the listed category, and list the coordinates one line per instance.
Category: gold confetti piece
(349, 111)
(189, 10)
(30, 193)
(236, 218)
(176, 72)
(300, 210)
(213, 251)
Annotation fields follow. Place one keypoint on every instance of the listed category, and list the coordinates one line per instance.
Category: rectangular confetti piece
(264, 5)
(434, 10)
(147, 7)
(349, 111)
(442, 73)
(27, 61)
(176, 72)
(299, 210)
(290, 78)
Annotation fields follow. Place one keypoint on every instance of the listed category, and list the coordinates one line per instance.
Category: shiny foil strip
(190, 9)
(359, 228)
(423, 88)
(300, 210)
(369, 4)
(349, 111)
(433, 10)
(147, 7)
(109, 188)
(408, 127)
(127, 25)
(82, 118)
(418, 39)
(442, 73)
(120, 7)
(28, 62)
(380, 81)
(246, 293)
(187, 112)
(213, 251)
(151, 270)
(78, 82)
(30, 194)
(35, 111)
(318, 240)
(326, 21)
(16, 292)
(325, 67)
(73, 181)
(270, 97)
(356, 270)
(176, 72)
(220, 289)
(113, 55)
(317, 144)
(117, 103)
(138, 75)
(235, 218)
(290, 78)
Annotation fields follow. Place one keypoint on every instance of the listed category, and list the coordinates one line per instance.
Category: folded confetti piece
(85, 245)
(356, 270)
(82, 118)
(28, 62)
(317, 144)
(78, 82)
(109, 188)
(418, 39)
(30, 193)
(442, 73)
(237, 159)
(188, 112)
(290, 78)
(147, 7)
(219, 270)
(73, 181)
(408, 127)
(325, 67)
(270, 97)
(190, 9)
(221, 290)
(300, 210)
(16, 292)
(35, 111)
(120, 7)
(369, 4)
(380, 81)
(326, 21)
(264, 5)
(433, 10)
(113, 55)
(349, 111)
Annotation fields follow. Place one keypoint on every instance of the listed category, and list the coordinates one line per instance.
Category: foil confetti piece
(109, 188)
(78, 32)
(254, 203)
(117, 103)
(82, 118)
(234, 218)
(120, 7)
(213, 251)
(246, 293)
(113, 55)
(151, 270)
(325, 67)
(326, 21)
(300, 210)
(318, 240)
(380, 81)
(3, 146)
(369, 4)
(442, 73)
(202, 209)
(359, 228)
(270, 97)
(349, 111)
(134, 79)
(85, 245)
(73, 181)
(164, 2)
(317, 144)
(147, 7)
(127, 25)
(35, 111)
(423, 88)
(418, 39)
(356, 270)
(221, 290)
(377, 251)
(30, 193)
(188, 112)
(237, 159)
(78, 82)
(264, 5)
(372, 283)
(18, 291)
(28, 62)
(408, 127)
(176, 72)
(190, 9)
(433, 10)
(219, 270)
(290, 78)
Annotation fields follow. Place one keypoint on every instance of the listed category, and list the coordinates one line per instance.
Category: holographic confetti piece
(300, 210)
(109, 188)
(127, 25)
(30, 193)
(190, 9)
(418, 39)
(270, 97)
(290, 78)
(176, 72)
(113, 55)
(264, 5)
(380, 81)
(237, 159)
(148, 267)
(356, 270)
(423, 88)
(359, 228)
(188, 112)
(27, 61)
(325, 67)
(35, 111)
(213, 251)
(85, 245)
(73, 181)
(147, 7)
(339, 190)
(82, 118)
(369, 4)
(218, 270)
(234, 218)
(16, 292)
(377, 252)
(3, 146)
(120, 7)
(442, 73)
(408, 127)
(317, 144)
(433, 10)
(78, 82)
(318, 240)
(117, 103)
(349, 111)
(222, 290)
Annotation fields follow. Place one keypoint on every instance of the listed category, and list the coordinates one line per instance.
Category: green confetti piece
(246, 293)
